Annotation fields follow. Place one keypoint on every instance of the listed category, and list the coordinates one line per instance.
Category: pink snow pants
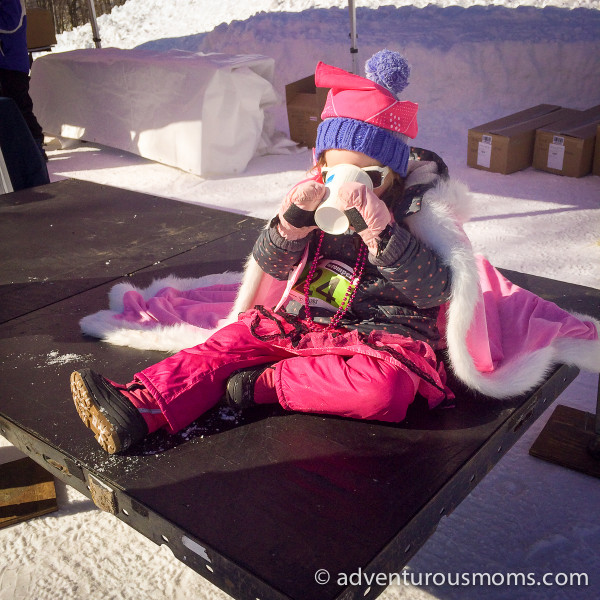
(329, 372)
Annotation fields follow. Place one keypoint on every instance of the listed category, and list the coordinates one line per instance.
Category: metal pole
(94, 24)
(353, 36)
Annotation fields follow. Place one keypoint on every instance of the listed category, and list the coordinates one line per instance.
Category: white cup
(328, 216)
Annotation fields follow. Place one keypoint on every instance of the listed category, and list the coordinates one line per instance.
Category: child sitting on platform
(360, 312)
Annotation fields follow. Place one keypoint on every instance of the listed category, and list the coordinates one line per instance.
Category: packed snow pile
(469, 65)
(139, 21)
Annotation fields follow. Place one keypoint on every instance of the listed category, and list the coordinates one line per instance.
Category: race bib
(328, 287)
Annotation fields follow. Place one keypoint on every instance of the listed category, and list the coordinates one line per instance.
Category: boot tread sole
(92, 416)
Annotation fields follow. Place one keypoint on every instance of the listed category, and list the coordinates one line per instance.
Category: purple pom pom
(389, 69)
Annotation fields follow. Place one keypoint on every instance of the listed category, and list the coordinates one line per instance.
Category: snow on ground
(470, 64)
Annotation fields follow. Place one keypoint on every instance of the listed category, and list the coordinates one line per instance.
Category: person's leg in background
(15, 85)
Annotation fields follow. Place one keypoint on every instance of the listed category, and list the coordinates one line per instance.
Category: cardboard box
(596, 167)
(506, 145)
(40, 29)
(566, 147)
(305, 104)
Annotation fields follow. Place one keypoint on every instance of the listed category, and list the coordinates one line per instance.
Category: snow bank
(139, 21)
(470, 65)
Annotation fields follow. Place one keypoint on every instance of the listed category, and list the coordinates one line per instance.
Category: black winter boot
(239, 393)
(114, 420)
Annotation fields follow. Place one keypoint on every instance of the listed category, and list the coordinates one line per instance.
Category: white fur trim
(249, 288)
(173, 338)
(115, 296)
(436, 225)
(584, 354)
(252, 277)
(167, 339)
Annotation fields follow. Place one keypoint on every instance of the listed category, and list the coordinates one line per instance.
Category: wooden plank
(566, 438)
(26, 491)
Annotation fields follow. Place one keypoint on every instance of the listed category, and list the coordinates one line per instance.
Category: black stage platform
(256, 504)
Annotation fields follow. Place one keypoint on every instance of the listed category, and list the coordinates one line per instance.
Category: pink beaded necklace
(350, 292)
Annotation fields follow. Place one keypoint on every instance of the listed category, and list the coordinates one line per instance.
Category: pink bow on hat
(355, 97)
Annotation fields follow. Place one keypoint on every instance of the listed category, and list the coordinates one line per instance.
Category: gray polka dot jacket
(402, 288)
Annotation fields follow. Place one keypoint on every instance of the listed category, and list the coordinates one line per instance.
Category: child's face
(350, 157)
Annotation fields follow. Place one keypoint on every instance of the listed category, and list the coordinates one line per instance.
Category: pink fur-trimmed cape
(502, 340)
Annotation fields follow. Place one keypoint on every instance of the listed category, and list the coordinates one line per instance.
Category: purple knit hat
(390, 71)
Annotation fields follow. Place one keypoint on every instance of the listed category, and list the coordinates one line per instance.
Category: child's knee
(388, 400)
